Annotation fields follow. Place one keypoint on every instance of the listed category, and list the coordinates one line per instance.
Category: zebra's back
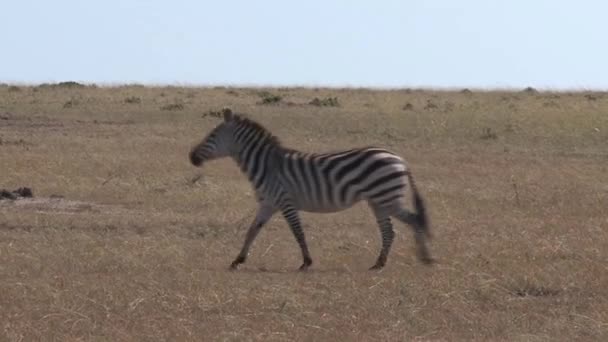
(334, 181)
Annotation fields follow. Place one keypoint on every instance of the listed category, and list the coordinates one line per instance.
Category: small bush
(528, 289)
(430, 105)
(13, 88)
(488, 134)
(70, 84)
(70, 103)
(268, 98)
(213, 114)
(589, 97)
(449, 106)
(133, 100)
(550, 104)
(173, 106)
(530, 90)
(326, 102)
(466, 91)
(408, 106)
(67, 84)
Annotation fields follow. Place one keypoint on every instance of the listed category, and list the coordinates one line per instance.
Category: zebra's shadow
(294, 270)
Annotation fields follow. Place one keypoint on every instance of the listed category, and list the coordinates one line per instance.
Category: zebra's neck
(259, 160)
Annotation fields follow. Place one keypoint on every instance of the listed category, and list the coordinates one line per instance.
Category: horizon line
(275, 85)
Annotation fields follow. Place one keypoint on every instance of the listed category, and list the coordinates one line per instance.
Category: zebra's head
(217, 144)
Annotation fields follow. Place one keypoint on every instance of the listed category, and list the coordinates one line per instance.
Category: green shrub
(326, 102)
(268, 98)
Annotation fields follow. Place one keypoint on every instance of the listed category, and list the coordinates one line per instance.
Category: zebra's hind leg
(420, 233)
(386, 231)
(264, 214)
(293, 219)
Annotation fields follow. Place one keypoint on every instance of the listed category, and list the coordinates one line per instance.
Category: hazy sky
(428, 43)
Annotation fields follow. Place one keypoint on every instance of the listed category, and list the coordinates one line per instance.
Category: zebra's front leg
(293, 219)
(264, 214)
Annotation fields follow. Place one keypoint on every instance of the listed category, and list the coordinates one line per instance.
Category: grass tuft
(325, 102)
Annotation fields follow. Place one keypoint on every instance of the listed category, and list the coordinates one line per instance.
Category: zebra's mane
(269, 137)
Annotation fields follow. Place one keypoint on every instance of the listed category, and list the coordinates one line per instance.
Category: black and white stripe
(288, 181)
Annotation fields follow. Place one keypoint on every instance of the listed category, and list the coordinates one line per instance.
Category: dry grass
(139, 245)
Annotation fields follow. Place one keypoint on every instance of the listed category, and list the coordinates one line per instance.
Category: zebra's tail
(421, 215)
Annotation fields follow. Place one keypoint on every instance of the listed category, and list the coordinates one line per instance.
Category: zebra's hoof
(239, 260)
(377, 266)
(380, 262)
(306, 264)
(428, 261)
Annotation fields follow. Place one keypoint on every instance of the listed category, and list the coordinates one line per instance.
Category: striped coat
(288, 181)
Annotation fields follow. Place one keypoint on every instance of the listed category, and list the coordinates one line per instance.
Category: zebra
(286, 180)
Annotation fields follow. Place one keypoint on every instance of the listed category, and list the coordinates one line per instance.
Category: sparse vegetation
(550, 104)
(430, 105)
(213, 114)
(173, 106)
(71, 103)
(70, 84)
(489, 134)
(268, 98)
(137, 246)
(591, 97)
(529, 290)
(325, 102)
(449, 106)
(133, 100)
(67, 84)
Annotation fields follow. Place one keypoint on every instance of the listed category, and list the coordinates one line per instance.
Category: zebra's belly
(324, 207)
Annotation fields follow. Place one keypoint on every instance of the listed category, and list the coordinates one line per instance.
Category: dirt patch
(34, 121)
(13, 195)
(19, 142)
(53, 204)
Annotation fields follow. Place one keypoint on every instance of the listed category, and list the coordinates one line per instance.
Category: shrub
(326, 102)
(466, 91)
(172, 106)
(268, 98)
(488, 134)
(70, 103)
(70, 84)
(430, 105)
(133, 100)
(213, 114)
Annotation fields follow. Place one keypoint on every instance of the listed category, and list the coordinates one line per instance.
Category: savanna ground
(124, 240)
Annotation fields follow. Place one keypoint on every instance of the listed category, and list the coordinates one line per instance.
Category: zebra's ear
(227, 114)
